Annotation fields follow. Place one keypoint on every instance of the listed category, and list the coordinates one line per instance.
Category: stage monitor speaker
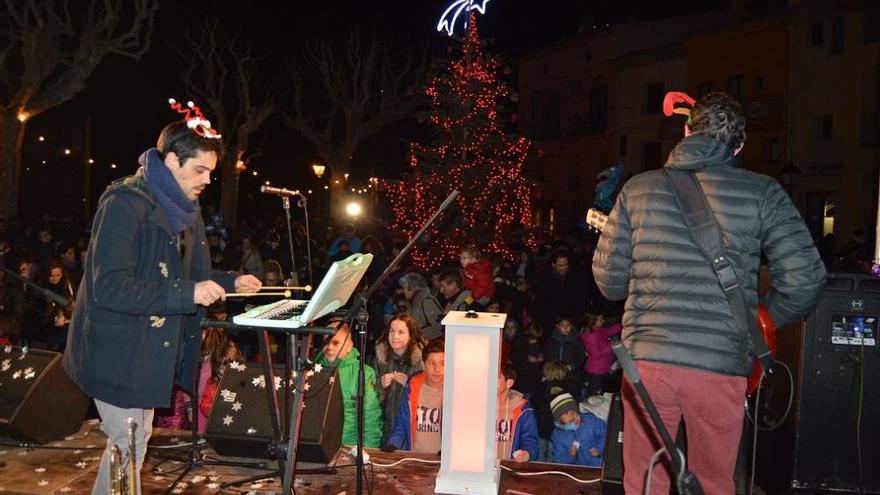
(239, 424)
(612, 468)
(39, 403)
(837, 411)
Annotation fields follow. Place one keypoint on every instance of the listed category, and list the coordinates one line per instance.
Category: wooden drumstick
(307, 288)
(285, 294)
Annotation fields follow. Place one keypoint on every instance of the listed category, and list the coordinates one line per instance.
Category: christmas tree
(470, 151)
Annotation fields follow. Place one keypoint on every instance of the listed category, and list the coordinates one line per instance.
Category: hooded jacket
(386, 361)
(676, 311)
(347, 371)
(135, 329)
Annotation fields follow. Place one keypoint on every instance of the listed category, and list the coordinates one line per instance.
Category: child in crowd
(398, 355)
(554, 381)
(527, 356)
(577, 438)
(601, 357)
(476, 275)
(566, 347)
(339, 352)
(516, 432)
(418, 421)
(218, 350)
(511, 332)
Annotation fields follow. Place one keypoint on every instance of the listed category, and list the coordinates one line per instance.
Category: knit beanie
(562, 404)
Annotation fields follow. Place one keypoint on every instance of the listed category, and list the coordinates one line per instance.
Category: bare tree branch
(221, 76)
(362, 94)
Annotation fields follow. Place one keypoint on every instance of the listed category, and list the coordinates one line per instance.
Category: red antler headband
(194, 119)
(686, 103)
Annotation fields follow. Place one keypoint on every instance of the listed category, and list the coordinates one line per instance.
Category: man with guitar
(685, 321)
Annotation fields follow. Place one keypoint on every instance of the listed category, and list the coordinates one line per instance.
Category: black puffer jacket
(676, 312)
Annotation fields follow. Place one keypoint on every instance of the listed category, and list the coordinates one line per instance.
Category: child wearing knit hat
(577, 438)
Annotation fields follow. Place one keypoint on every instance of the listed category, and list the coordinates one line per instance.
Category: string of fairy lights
(472, 153)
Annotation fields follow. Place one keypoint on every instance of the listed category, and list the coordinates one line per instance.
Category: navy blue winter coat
(135, 328)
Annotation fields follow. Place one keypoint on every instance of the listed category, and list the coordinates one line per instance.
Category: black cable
(859, 416)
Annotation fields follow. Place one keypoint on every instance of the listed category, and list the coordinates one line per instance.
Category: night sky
(127, 100)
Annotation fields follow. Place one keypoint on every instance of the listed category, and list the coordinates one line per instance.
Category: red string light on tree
(471, 151)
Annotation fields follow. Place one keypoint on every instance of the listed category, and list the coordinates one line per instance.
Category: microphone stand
(285, 204)
(302, 204)
(358, 315)
(686, 482)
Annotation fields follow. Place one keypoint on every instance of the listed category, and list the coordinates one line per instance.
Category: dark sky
(127, 99)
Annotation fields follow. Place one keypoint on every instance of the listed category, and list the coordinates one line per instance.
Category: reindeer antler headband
(195, 120)
(685, 104)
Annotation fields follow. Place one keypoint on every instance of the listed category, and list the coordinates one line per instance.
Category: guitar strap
(706, 233)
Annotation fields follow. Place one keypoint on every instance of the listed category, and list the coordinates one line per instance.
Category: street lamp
(318, 169)
(354, 209)
(790, 177)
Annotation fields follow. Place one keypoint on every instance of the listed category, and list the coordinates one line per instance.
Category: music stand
(357, 312)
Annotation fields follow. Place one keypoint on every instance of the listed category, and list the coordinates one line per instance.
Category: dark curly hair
(176, 137)
(719, 116)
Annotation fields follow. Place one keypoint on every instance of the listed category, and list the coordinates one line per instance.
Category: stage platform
(69, 467)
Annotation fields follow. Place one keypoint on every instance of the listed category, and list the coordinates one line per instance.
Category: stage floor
(69, 467)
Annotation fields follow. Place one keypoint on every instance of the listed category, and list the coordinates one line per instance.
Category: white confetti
(212, 485)
(78, 451)
(90, 446)
(43, 483)
(66, 489)
(306, 387)
(277, 382)
(237, 366)
(16, 375)
(81, 464)
(259, 381)
(40, 470)
(256, 486)
(197, 479)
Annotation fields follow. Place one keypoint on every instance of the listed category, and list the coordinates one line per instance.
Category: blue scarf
(181, 212)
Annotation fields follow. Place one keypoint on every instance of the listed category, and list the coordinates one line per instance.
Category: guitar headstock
(596, 219)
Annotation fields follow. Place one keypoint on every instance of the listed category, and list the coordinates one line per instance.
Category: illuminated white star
(259, 381)
(318, 367)
(227, 420)
(236, 406)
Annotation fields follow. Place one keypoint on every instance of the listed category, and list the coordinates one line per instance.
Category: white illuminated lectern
(470, 381)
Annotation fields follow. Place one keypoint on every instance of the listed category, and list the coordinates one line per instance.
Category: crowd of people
(555, 321)
(153, 264)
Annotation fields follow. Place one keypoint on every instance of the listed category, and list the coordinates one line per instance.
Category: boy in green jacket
(340, 353)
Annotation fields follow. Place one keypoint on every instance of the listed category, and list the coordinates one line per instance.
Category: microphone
(279, 191)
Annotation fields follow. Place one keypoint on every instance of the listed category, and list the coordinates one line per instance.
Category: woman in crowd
(398, 355)
(423, 306)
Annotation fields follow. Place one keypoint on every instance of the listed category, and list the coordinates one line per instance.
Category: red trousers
(712, 407)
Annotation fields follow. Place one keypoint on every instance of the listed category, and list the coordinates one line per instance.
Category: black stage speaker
(240, 424)
(38, 402)
(838, 411)
(612, 468)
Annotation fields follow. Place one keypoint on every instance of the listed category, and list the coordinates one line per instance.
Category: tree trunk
(11, 138)
(229, 190)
